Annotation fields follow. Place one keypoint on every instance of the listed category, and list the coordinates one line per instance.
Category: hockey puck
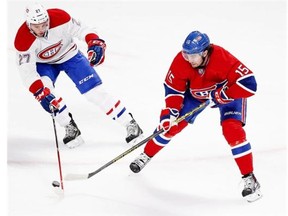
(55, 184)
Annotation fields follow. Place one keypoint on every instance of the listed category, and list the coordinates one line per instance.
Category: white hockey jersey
(56, 47)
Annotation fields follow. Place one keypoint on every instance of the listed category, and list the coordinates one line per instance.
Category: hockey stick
(71, 177)
(57, 147)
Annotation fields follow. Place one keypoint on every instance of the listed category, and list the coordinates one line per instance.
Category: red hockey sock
(151, 148)
(241, 149)
(245, 164)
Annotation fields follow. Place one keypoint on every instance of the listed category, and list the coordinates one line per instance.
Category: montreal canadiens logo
(50, 51)
(205, 92)
(202, 93)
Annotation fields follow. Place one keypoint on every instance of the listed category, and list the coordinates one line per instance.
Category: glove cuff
(36, 87)
(91, 36)
(42, 93)
(96, 42)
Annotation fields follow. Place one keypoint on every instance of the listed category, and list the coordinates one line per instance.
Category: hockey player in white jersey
(45, 47)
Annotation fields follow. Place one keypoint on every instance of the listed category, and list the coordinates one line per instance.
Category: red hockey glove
(218, 97)
(96, 52)
(47, 99)
(167, 119)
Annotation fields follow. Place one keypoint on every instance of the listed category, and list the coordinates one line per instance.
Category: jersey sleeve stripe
(248, 83)
(171, 89)
(174, 95)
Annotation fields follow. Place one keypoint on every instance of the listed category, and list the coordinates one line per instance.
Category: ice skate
(134, 132)
(72, 137)
(139, 163)
(251, 191)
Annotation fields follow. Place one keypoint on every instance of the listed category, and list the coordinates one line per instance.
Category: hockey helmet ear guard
(195, 43)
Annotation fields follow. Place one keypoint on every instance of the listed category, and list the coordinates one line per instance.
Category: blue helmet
(196, 42)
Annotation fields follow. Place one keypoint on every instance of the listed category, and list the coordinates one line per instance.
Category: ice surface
(195, 174)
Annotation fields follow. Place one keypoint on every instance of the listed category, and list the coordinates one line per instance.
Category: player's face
(194, 59)
(40, 29)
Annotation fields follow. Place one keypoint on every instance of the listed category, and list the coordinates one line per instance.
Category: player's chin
(40, 34)
(194, 65)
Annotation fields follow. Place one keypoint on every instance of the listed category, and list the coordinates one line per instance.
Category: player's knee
(233, 131)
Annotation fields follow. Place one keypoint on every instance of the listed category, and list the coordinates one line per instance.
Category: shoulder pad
(58, 17)
(24, 38)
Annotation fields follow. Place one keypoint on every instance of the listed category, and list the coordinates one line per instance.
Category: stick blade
(75, 177)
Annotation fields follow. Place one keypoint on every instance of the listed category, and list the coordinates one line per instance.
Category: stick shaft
(58, 153)
(125, 153)
(89, 175)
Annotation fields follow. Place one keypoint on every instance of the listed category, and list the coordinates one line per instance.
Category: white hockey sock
(119, 113)
(63, 117)
(110, 106)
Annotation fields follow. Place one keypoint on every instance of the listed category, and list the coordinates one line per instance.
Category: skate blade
(75, 143)
(255, 196)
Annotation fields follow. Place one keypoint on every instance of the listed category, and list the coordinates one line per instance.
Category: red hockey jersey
(222, 68)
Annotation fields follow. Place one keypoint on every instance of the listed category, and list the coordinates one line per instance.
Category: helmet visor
(191, 57)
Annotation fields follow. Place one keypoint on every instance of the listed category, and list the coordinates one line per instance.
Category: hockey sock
(63, 118)
(243, 156)
(157, 143)
(151, 148)
(119, 113)
(241, 149)
(112, 107)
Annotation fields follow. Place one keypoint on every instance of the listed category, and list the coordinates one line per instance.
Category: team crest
(50, 51)
(204, 93)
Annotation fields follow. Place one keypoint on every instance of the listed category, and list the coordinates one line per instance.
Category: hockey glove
(167, 119)
(218, 97)
(96, 52)
(47, 99)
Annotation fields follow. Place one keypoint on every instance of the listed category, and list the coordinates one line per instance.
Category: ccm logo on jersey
(50, 51)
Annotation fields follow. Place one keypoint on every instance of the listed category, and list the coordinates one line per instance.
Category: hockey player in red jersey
(45, 46)
(201, 72)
